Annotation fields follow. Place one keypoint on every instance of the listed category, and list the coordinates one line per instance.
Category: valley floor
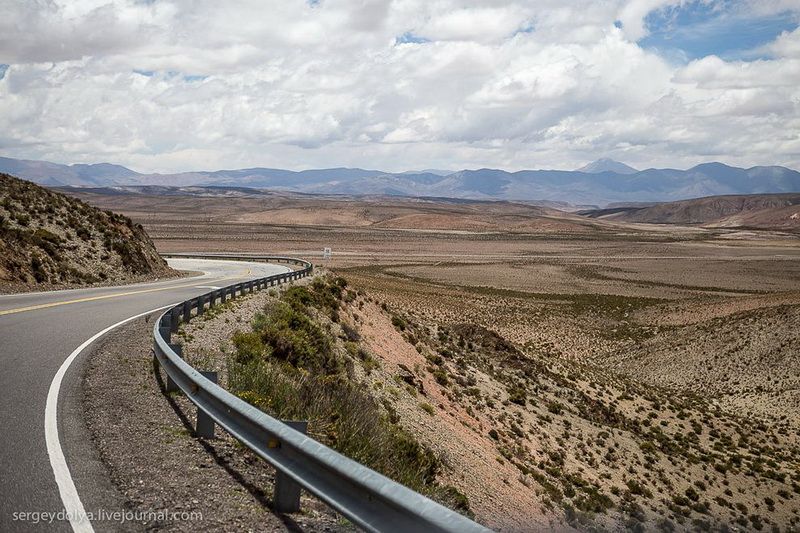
(609, 377)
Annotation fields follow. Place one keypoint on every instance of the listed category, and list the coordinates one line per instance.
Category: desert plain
(571, 373)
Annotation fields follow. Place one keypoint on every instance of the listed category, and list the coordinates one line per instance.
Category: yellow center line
(116, 295)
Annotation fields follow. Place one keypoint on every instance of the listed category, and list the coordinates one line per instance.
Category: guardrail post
(205, 424)
(171, 385)
(174, 315)
(165, 328)
(187, 311)
(286, 498)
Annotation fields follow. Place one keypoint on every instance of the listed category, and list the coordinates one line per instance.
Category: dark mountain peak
(484, 172)
(713, 165)
(435, 171)
(604, 164)
(103, 171)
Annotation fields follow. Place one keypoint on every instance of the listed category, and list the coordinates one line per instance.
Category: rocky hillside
(769, 211)
(49, 240)
(683, 420)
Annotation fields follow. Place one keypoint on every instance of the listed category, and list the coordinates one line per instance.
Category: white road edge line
(73, 506)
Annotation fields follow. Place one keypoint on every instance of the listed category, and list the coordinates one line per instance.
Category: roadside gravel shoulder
(175, 480)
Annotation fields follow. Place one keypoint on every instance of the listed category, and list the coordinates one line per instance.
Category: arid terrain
(49, 240)
(568, 372)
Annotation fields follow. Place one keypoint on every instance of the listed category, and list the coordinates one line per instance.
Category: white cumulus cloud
(173, 85)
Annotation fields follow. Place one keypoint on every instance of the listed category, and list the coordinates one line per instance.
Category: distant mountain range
(601, 183)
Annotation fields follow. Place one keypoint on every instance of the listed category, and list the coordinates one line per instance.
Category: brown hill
(48, 239)
(764, 211)
(253, 206)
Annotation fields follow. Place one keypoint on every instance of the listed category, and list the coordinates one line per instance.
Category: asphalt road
(38, 332)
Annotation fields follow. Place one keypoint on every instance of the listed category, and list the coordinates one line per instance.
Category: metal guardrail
(368, 499)
(239, 257)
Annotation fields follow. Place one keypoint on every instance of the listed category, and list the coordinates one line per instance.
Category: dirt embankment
(145, 439)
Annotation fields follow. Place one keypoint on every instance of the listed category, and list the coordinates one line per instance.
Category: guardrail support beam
(171, 385)
(205, 424)
(174, 318)
(187, 311)
(286, 498)
(166, 327)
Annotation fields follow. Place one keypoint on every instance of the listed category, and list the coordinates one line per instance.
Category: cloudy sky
(175, 85)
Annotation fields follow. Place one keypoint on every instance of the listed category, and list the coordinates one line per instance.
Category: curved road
(38, 332)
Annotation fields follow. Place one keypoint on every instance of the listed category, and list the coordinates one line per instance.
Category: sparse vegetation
(293, 365)
(608, 450)
(53, 240)
(580, 372)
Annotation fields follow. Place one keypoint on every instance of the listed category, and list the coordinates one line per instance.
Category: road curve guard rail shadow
(370, 500)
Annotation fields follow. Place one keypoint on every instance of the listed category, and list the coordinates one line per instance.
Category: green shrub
(638, 489)
(593, 501)
(39, 273)
(249, 346)
(293, 337)
(399, 323)
(441, 377)
(517, 395)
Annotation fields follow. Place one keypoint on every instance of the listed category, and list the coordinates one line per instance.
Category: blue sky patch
(173, 74)
(526, 29)
(696, 29)
(3, 69)
(408, 37)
